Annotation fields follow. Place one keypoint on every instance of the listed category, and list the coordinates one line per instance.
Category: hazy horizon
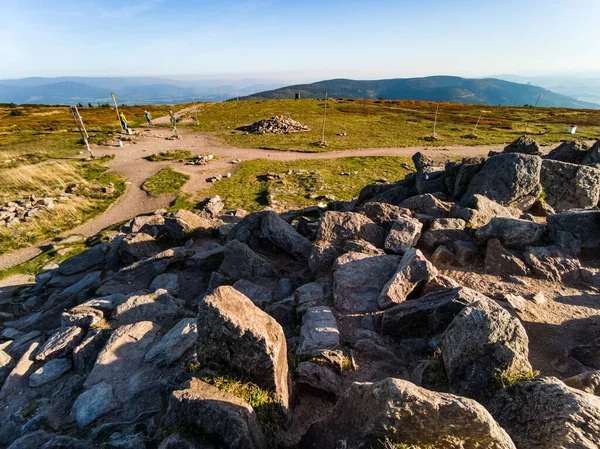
(297, 42)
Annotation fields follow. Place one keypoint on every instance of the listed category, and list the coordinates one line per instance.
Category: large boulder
(338, 227)
(383, 214)
(216, 414)
(570, 186)
(236, 335)
(573, 151)
(428, 315)
(511, 232)
(545, 413)
(404, 235)
(478, 210)
(582, 227)
(174, 343)
(458, 175)
(511, 179)
(137, 246)
(552, 263)
(592, 156)
(183, 223)
(482, 345)
(284, 236)
(397, 413)
(93, 403)
(444, 231)
(501, 261)
(60, 343)
(430, 174)
(259, 295)
(358, 279)
(319, 332)
(413, 271)
(427, 204)
(157, 306)
(83, 261)
(588, 382)
(51, 371)
(240, 262)
(524, 145)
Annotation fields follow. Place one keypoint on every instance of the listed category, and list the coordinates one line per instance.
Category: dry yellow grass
(45, 179)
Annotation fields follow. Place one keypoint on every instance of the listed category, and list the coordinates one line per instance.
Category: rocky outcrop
(319, 332)
(510, 179)
(174, 343)
(524, 145)
(573, 151)
(510, 232)
(238, 337)
(338, 227)
(183, 223)
(552, 263)
(403, 235)
(579, 228)
(398, 412)
(501, 261)
(478, 210)
(570, 186)
(482, 343)
(240, 262)
(546, 413)
(284, 236)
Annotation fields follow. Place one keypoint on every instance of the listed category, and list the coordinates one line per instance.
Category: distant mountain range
(584, 88)
(152, 90)
(490, 91)
(131, 90)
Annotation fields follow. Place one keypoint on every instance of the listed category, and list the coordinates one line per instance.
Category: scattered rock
(259, 295)
(174, 343)
(60, 343)
(524, 145)
(588, 382)
(51, 370)
(319, 332)
(93, 403)
(501, 261)
(510, 232)
(404, 235)
(570, 186)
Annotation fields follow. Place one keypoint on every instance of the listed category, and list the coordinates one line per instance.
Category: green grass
(374, 124)
(249, 189)
(507, 379)
(171, 155)
(165, 181)
(267, 409)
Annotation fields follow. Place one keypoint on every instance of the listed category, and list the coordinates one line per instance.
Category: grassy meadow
(382, 123)
(165, 181)
(297, 184)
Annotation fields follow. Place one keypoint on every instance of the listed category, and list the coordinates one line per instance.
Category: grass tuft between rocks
(165, 181)
(507, 379)
(171, 155)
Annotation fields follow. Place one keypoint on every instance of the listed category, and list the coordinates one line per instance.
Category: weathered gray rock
(319, 378)
(90, 281)
(93, 403)
(414, 270)
(458, 175)
(309, 295)
(444, 231)
(319, 332)
(323, 254)
(137, 246)
(149, 224)
(570, 186)
(524, 145)
(33, 440)
(247, 231)
(552, 263)
(177, 441)
(183, 223)
(235, 333)
(592, 156)
(588, 382)
(581, 226)
(259, 295)
(546, 413)
(501, 261)
(60, 343)
(573, 151)
(105, 303)
(83, 261)
(511, 179)
(358, 280)
(483, 342)
(427, 204)
(510, 231)
(403, 413)
(82, 316)
(478, 210)
(65, 442)
(465, 253)
(84, 354)
(442, 256)
(428, 315)
(166, 281)
(588, 355)
(51, 370)
(241, 262)
(338, 227)
(284, 236)
(430, 174)
(404, 235)
(216, 413)
(174, 343)
(383, 214)
(157, 306)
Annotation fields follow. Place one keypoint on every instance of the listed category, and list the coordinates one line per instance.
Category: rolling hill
(488, 91)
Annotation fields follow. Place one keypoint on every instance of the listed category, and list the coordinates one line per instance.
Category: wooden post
(117, 109)
(435, 120)
(297, 96)
(532, 112)
(475, 128)
(82, 130)
(324, 118)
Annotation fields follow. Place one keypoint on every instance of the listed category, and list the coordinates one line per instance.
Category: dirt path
(130, 162)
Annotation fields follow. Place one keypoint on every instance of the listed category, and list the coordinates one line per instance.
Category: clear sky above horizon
(298, 40)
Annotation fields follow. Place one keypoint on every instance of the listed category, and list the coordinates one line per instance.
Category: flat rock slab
(52, 370)
(158, 306)
(84, 261)
(404, 235)
(174, 343)
(60, 343)
(319, 332)
(93, 403)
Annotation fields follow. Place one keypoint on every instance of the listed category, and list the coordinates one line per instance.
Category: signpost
(117, 109)
(81, 128)
(324, 118)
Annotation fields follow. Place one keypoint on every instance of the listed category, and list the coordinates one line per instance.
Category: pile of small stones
(20, 211)
(279, 124)
(200, 160)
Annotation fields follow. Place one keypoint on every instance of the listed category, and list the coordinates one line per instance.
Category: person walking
(123, 121)
(149, 118)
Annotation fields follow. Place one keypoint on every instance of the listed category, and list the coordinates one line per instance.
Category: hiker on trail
(123, 121)
(149, 118)
(173, 121)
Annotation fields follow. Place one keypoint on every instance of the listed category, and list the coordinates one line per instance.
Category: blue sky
(299, 40)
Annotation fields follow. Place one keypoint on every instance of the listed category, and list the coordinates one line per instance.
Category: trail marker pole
(434, 135)
(196, 110)
(117, 109)
(324, 118)
(532, 112)
(82, 130)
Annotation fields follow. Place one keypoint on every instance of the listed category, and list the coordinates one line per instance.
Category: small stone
(93, 403)
(52, 370)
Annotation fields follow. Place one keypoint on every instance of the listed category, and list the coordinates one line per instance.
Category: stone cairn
(279, 124)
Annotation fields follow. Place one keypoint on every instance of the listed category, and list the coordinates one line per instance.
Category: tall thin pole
(532, 112)
(117, 108)
(195, 109)
(476, 124)
(324, 118)
(82, 130)
(435, 120)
